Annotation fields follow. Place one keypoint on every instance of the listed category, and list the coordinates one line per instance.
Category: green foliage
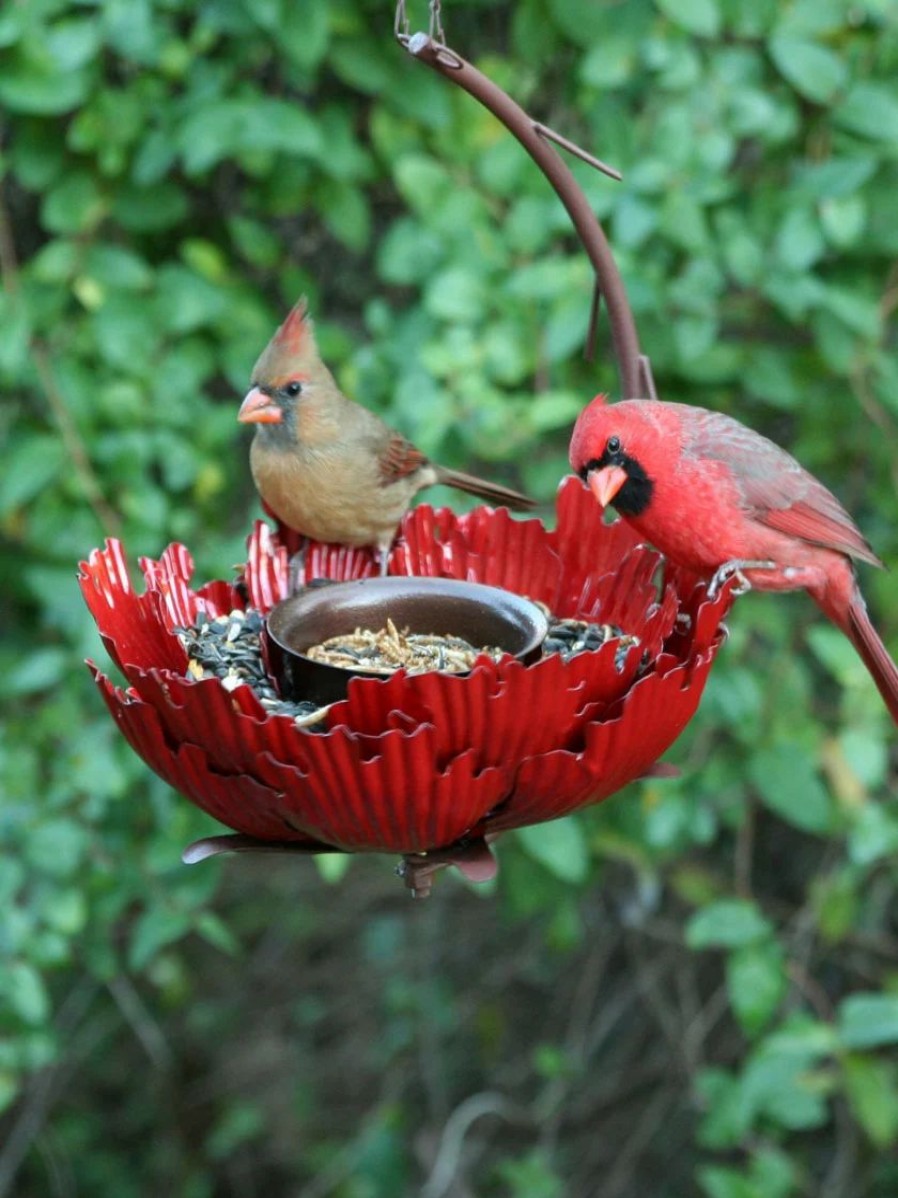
(709, 960)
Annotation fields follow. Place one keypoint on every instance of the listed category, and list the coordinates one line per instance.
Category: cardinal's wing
(399, 458)
(775, 489)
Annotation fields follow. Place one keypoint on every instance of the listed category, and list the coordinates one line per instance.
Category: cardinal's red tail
(873, 652)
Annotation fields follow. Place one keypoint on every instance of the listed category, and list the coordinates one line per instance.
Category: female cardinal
(327, 467)
(721, 500)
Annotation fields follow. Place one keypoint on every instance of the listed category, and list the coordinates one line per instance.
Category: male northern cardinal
(326, 466)
(721, 500)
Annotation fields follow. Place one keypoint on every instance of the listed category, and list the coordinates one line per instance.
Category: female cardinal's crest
(291, 349)
(294, 332)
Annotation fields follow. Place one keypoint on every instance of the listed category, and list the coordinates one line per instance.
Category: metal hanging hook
(435, 30)
(609, 290)
(400, 22)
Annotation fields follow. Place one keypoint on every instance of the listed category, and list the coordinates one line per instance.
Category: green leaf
(333, 866)
(720, 1182)
(874, 835)
(553, 409)
(306, 41)
(149, 209)
(836, 178)
(73, 43)
(870, 109)
(36, 463)
(422, 182)
(156, 928)
(232, 128)
(408, 253)
(860, 313)
(346, 213)
(872, 1089)
(584, 24)
(810, 18)
(866, 751)
(57, 846)
(836, 901)
(799, 241)
(727, 1117)
(214, 930)
(868, 1020)
(728, 923)
(560, 846)
(115, 267)
(779, 1082)
(843, 220)
(362, 65)
(187, 301)
(456, 293)
(814, 71)
(25, 993)
(787, 782)
(33, 83)
(74, 205)
(609, 63)
(41, 670)
(756, 983)
(701, 17)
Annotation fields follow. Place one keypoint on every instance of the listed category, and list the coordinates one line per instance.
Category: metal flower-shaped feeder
(427, 763)
(432, 766)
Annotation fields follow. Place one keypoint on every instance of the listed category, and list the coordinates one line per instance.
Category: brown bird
(326, 466)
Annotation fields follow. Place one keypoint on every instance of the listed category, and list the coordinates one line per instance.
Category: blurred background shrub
(693, 990)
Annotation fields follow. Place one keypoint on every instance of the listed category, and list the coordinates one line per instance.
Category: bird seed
(388, 649)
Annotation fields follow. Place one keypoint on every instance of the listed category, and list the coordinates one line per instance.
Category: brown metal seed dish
(374, 626)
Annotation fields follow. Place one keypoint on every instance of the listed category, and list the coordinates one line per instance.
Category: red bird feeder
(428, 762)
(431, 766)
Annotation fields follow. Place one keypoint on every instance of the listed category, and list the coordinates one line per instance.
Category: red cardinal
(721, 500)
(327, 467)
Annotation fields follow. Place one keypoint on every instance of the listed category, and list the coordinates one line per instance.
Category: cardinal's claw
(734, 569)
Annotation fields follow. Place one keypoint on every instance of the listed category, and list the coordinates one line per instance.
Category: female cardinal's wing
(399, 458)
(774, 488)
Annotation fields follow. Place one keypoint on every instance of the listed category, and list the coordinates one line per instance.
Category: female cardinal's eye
(293, 389)
(613, 445)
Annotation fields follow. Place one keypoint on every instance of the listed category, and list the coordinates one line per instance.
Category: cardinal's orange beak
(606, 483)
(259, 408)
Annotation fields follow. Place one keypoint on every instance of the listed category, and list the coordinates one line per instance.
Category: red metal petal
(402, 800)
(133, 627)
(625, 596)
(616, 751)
(236, 800)
(170, 578)
(333, 787)
(232, 727)
(266, 570)
(483, 546)
(268, 563)
(584, 543)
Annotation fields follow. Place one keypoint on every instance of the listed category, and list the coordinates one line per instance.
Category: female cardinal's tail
(873, 652)
(486, 490)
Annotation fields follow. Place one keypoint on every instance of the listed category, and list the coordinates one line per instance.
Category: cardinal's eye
(293, 389)
(613, 445)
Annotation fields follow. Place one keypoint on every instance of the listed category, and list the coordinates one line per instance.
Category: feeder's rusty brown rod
(632, 365)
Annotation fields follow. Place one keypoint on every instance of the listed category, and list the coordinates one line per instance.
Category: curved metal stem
(633, 366)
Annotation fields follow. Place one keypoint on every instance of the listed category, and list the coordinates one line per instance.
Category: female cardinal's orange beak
(259, 408)
(606, 483)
